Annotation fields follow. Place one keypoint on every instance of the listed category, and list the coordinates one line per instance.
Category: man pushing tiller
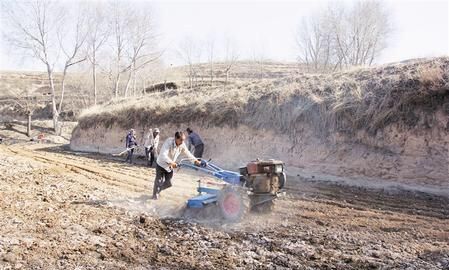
(166, 161)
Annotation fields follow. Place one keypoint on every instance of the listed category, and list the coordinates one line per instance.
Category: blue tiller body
(208, 195)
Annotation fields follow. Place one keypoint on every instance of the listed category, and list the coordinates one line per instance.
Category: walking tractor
(254, 187)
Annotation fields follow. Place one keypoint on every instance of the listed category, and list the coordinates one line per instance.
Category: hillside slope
(35, 85)
(389, 122)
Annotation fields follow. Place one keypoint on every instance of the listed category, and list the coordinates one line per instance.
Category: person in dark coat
(131, 144)
(195, 140)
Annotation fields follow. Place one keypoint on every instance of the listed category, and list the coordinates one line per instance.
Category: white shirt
(170, 152)
(152, 141)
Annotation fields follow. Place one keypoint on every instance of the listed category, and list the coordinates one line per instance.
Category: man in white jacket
(166, 161)
(151, 144)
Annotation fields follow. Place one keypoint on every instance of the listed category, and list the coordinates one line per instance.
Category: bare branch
(343, 36)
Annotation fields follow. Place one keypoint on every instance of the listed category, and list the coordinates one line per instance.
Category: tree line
(119, 39)
(341, 36)
(114, 37)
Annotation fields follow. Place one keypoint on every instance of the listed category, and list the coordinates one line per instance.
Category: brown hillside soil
(67, 210)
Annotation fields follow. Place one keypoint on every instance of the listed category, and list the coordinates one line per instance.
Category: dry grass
(432, 75)
(243, 70)
(367, 99)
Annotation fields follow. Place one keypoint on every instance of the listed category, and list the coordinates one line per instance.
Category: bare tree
(211, 57)
(230, 58)
(120, 15)
(314, 42)
(369, 23)
(343, 36)
(72, 49)
(337, 27)
(258, 61)
(97, 37)
(142, 49)
(25, 103)
(134, 43)
(187, 51)
(32, 27)
(200, 68)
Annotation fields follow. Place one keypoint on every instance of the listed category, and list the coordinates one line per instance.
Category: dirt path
(65, 210)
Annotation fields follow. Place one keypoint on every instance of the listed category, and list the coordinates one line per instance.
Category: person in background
(195, 140)
(166, 162)
(131, 144)
(147, 145)
(151, 145)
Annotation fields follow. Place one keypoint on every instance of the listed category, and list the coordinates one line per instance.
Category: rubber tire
(282, 180)
(236, 196)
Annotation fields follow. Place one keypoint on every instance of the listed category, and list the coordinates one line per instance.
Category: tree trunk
(134, 82)
(29, 124)
(127, 84)
(64, 74)
(211, 73)
(53, 97)
(117, 80)
(94, 74)
(190, 79)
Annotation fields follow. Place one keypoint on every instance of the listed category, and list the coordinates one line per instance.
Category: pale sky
(421, 28)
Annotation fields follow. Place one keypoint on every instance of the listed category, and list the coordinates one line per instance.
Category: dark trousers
(129, 157)
(150, 154)
(162, 181)
(198, 152)
(147, 153)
